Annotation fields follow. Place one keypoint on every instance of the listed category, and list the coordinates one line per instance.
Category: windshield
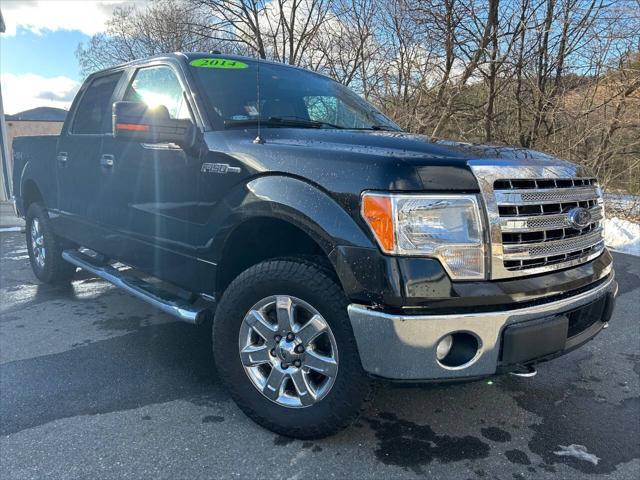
(289, 97)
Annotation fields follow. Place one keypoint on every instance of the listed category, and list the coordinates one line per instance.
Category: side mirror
(137, 122)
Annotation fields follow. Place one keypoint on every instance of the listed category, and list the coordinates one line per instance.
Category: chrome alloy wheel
(37, 243)
(288, 351)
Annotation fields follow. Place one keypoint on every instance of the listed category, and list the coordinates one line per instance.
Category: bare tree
(479, 44)
(558, 75)
(345, 46)
(281, 30)
(132, 33)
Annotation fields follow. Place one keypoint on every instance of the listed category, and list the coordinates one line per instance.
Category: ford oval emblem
(579, 217)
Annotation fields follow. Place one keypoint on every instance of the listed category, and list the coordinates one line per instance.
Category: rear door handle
(107, 160)
(62, 159)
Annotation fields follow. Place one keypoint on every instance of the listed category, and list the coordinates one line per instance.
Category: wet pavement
(96, 384)
(8, 219)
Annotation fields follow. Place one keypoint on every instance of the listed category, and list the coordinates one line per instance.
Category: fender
(366, 275)
(300, 203)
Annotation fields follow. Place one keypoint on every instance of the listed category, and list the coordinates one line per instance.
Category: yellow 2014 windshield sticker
(217, 63)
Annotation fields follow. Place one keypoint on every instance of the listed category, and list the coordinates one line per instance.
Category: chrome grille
(541, 197)
(549, 238)
(528, 210)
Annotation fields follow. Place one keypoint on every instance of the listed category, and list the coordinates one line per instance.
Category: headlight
(446, 227)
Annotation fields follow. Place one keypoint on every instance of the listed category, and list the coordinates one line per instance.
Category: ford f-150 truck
(323, 244)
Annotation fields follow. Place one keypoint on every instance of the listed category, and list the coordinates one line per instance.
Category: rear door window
(93, 115)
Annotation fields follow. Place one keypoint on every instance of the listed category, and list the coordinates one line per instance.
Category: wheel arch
(30, 193)
(262, 238)
(280, 216)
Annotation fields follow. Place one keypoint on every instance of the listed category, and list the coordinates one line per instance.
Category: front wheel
(284, 347)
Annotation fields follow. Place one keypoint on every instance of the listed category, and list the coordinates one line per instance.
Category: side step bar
(151, 294)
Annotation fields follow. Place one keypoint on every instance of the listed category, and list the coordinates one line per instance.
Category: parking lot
(96, 384)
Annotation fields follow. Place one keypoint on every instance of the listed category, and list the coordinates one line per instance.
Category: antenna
(258, 139)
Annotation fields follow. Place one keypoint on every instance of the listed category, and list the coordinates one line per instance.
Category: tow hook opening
(457, 350)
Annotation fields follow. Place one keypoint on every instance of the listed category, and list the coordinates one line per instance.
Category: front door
(153, 188)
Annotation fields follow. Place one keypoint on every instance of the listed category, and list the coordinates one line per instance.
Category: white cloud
(38, 16)
(25, 91)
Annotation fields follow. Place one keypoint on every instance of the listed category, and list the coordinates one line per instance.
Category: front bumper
(403, 347)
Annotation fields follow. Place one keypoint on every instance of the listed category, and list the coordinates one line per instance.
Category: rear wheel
(283, 345)
(45, 249)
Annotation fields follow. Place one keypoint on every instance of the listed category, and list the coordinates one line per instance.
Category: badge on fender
(222, 168)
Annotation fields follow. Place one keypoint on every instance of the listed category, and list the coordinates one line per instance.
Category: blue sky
(37, 52)
(49, 54)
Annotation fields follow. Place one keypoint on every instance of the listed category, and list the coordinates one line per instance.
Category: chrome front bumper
(403, 347)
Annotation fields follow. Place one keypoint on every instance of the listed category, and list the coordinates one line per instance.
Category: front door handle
(107, 160)
(62, 159)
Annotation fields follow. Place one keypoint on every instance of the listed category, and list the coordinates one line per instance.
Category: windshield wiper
(377, 128)
(282, 121)
(304, 121)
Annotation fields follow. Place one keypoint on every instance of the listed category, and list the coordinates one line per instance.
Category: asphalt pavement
(96, 384)
(8, 219)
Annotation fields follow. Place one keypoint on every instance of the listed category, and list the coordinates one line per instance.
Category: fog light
(444, 346)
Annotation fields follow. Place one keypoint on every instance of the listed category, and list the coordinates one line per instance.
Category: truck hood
(406, 146)
(345, 160)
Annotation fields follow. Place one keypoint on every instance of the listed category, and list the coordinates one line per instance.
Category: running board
(159, 298)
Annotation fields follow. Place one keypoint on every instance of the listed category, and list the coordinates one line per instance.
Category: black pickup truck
(323, 244)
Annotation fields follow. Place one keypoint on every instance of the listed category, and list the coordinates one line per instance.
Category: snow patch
(622, 235)
(577, 451)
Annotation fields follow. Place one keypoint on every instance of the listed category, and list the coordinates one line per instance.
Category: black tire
(51, 268)
(314, 285)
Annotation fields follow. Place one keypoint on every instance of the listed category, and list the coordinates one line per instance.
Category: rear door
(78, 161)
